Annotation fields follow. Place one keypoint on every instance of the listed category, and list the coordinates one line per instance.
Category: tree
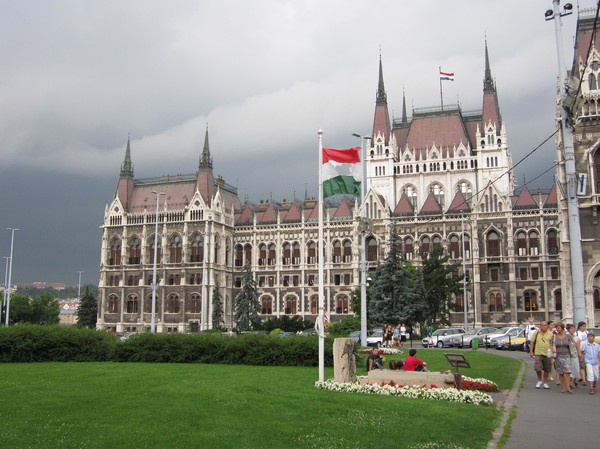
(440, 284)
(217, 308)
(246, 302)
(45, 310)
(19, 309)
(87, 312)
(390, 288)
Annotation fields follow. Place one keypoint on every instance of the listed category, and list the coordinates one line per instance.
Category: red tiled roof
(459, 203)
(245, 218)
(525, 200)
(439, 130)
(293, 214)
(344, 210)
(268, 216)
(552, 199)
(490, 110)
(431, 206)
(177, 196)
(404, 206)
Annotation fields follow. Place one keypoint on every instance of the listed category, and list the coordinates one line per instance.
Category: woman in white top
(575, 361)
(582, 334)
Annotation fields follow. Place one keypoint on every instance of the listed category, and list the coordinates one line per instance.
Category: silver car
(466, 339)
(490, 340)
(442, 337)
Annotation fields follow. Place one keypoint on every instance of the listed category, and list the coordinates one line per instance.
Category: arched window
(425, 245)
(311, 255)
(135, 251)
(197, 248)
(495, 302)
(266, 305)
(347, 251)
(454, 247)
(534, 243)
(287, 253)
(558, 300)
(195, 303)
(592, 81)
(597, 299)
(271, 254)
(530, 301)
(296, 253)
(113, 304)
(262, 255)
(409, 248)
(115, 252)
(552, 241)
(175, 249)
(239, 255)
(173, 303)
(148, 304)
(314, 305)
(371, 249)
(216, 248)
(466, 245)
(341, 304)
(151, 251)
(521, 243)
(438, 193)
(436, 242)
(132, 304)
(247, 253)
(493, 244)
(337, 252)
(291, 305)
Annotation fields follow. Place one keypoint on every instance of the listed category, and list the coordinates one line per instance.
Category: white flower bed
(481, 380)
(415, 392)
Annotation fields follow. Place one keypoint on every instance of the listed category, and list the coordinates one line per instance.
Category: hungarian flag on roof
(446, 76)
(341, 172)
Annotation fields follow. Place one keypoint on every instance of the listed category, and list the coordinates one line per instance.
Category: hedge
(33, 343)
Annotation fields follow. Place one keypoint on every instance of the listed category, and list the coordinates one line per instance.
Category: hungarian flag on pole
(446, 76)
(341, 172)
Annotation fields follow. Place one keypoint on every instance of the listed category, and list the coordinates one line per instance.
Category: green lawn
(130, 405)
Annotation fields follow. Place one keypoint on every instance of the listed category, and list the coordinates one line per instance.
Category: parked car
(442, 337)
(512, 342)
(355, 336)
(490, 340)
(466, 339)
(375, 337)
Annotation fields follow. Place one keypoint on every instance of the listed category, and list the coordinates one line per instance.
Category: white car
(466, 340)
(375, 338)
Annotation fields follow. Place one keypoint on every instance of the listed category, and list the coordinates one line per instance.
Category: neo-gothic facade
(442, 177)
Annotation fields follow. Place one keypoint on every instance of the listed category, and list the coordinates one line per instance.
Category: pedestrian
(529, 331)
(591, 350)
(582, 333)
(402, 334)
(560, 345)
(576, 356)
(552, 329)
(540, 343)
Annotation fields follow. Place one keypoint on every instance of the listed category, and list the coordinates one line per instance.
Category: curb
(509, 404)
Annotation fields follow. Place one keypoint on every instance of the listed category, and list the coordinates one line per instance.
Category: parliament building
(442, 176)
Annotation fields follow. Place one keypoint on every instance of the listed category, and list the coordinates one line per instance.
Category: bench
(400, 377)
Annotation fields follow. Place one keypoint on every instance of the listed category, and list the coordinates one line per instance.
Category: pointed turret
(491, 110)
(381, 121)
(205, 180)
(125, 186)
(404, 117)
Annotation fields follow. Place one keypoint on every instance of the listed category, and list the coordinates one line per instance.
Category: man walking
(529, 331)
(540, 343)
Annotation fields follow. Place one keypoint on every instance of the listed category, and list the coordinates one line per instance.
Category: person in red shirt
(412, 363)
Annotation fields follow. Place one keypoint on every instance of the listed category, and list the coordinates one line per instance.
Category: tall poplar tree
(87, 312)
(217, 308)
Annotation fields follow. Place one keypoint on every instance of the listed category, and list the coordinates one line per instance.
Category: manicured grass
(131, 405)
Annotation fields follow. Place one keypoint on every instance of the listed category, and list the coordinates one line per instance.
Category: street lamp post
(5, 287)
(12, 241)
(579, 309)
(153, 319)
(363, 239)
(79, 285)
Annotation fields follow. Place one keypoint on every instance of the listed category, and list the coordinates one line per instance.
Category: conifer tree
(246, 302)
(217, 308)
(87, 312)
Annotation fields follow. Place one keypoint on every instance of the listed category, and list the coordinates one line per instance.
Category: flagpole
(320, 325)
(441, 95)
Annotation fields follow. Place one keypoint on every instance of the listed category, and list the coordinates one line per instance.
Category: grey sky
(78, 76)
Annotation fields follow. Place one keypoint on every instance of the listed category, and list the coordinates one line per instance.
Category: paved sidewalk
(549, 418)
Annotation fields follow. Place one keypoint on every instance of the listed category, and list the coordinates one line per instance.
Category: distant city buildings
(441, 176)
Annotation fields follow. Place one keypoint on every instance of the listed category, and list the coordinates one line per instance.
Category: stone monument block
(344, 362)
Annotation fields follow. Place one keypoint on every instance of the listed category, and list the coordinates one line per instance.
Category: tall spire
(205, 158)
(488, 81)
(127, 166)
(381, 95)
(404, 118)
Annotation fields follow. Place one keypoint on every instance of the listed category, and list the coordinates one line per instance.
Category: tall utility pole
(363, 240)
(153, 319)
(566, 127)
(12, 241)
(79, 285)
